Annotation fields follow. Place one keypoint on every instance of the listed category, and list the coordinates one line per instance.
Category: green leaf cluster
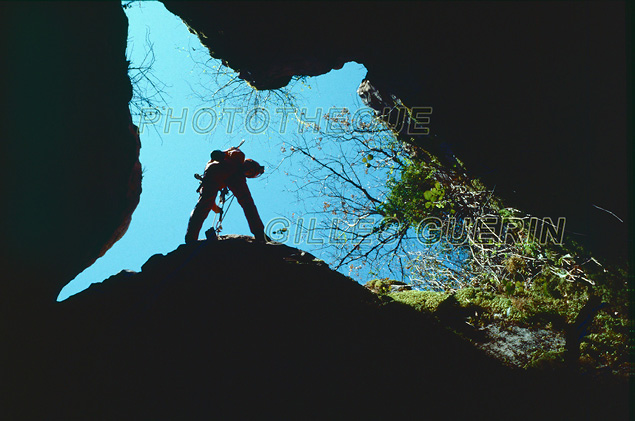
(417, 194)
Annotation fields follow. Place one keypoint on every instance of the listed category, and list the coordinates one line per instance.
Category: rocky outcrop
(70, 173)
(269, 43)
(530, 96)
(234, 329)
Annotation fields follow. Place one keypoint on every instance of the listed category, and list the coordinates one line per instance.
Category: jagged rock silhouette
(235, 329)
(538, 113)
(239, 330)
(70, 176)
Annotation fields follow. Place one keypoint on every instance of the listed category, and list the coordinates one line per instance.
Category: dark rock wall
(245, 331)
(70, 175)
(530, 95)
(239, 330)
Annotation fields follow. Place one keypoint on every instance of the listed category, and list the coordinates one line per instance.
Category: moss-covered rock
(386, 285)
(534, 321)
(426, 301)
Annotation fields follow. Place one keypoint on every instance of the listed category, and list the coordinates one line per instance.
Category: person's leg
(199, 214)
(215, 207)
(242, 194)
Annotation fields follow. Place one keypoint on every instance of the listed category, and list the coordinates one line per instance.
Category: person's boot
(211, 234)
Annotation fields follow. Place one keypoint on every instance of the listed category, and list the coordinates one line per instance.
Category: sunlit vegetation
(502, 266)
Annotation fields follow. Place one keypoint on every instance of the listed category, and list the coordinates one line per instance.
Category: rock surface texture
(70, 174)
(234, 329)
(238, 330)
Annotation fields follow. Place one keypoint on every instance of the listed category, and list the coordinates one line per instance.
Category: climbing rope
(218, 225)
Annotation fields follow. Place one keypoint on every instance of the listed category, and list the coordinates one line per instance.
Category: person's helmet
(252, 169)
(217, 155)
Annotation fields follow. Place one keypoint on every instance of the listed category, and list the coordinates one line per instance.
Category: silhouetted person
(227, 169)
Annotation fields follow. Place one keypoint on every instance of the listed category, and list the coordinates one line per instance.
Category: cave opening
(187, 104)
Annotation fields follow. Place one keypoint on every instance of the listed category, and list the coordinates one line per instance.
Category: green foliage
(606, 345)
(547, 360)
(383, 285)
(378, 286)
(425, 301)
(418, 193)
(406, 199)
(510, 279)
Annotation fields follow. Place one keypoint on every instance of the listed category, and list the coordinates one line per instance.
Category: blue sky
(173, 149)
